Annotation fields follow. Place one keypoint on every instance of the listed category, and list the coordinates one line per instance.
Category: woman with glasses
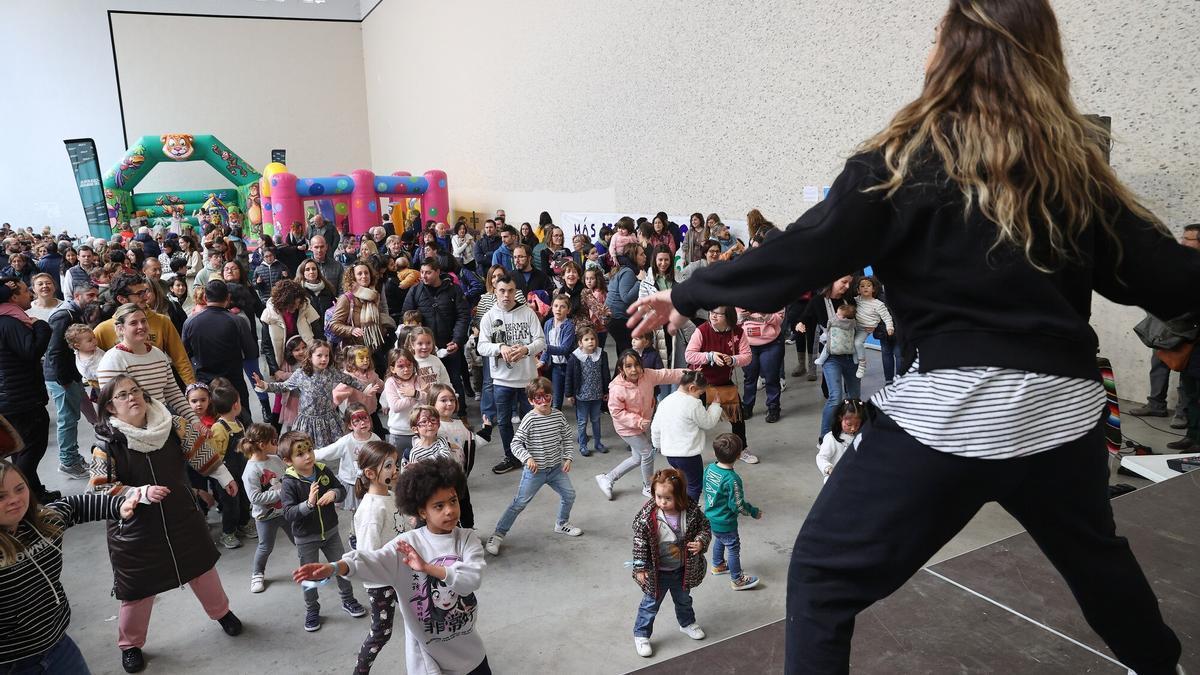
(140, 445)
(134, 356)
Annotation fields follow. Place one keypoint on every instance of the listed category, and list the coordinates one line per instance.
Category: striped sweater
(548, 439)
(152, 371)
(34, 611)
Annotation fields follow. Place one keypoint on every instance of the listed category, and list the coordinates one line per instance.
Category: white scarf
(314, 286)
(369, 317)
(151, 437)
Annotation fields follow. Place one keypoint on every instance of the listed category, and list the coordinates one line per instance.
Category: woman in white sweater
(680, 429)
(148, 365)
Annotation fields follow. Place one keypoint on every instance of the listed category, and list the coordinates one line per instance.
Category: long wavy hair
(47, 522)
(996, 109)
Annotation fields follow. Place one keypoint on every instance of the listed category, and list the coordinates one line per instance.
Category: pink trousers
(134, 617)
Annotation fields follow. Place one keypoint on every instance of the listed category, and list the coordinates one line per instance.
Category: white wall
(56, 67)
(618, 105)
(316, 110)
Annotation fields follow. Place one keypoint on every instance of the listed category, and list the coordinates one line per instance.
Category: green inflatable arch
(149, 151)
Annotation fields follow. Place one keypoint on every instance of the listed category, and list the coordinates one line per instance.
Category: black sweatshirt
(961, 306)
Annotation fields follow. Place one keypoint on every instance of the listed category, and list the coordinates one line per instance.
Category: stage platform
(1002, 608)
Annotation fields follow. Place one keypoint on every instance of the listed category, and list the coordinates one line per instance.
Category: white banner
(589, 223)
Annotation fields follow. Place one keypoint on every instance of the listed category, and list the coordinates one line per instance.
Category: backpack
(331, 337)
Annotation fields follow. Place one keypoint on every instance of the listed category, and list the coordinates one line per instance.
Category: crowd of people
(363, 356)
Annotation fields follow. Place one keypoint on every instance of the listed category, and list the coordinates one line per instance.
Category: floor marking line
(1010, 610)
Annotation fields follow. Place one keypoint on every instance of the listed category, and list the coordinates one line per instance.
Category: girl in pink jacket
(631, 404)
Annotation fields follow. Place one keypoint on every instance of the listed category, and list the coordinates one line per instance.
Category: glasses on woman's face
(127, 394)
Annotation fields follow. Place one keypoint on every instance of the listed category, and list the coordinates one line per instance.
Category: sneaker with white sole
(354, 608)
(749, 457)
(723, 568)
(606, 485)
(248, 531)
(493, 544)
(862, 370)
(744, 583)
(642, 645)
(693, 631)
(646, 491)
(256, 583)
(74, 471)
(230, 540)
(567, 529)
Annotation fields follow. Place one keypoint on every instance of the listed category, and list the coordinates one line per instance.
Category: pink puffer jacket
(632, 405)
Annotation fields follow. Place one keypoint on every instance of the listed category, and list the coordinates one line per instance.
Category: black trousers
(33, 426)
(891, 505)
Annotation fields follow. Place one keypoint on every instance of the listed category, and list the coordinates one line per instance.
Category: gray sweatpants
(641, 452)
(332, 548)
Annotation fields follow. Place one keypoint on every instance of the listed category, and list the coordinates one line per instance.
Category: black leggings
(382, 603)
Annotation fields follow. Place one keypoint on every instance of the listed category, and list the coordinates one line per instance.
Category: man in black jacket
(488, 242)
(528, 277)
(220, 343)
(447, 314)
(23, 342)
(63, 380)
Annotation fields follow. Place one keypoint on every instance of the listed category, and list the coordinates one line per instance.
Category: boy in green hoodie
(725, 501)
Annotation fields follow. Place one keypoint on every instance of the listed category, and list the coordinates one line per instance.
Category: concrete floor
(549, 604)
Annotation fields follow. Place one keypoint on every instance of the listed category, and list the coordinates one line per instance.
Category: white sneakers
(749, 457)
(646, 491)
(605, 485)
(642, 644)
(567, 529)
(862, 370)
(493, 544)
(256, 583)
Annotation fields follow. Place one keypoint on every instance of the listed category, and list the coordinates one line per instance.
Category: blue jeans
(693, 473)
(671, 581)
(728, 546)
(531, 482)
(889, 349)
(487, 397)
(558, 378)
(509, 401)
(768, 360)
(585, 411)
(62, 657)
(840, 381)
(66, 409)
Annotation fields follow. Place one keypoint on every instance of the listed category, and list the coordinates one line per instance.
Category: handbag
(1158, 334)
(729, 399)
(1177, 358)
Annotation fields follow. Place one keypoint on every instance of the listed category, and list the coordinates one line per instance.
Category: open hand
(372, 388)
(410, 556)
(652, 312)
(312, 572)
(259, 383)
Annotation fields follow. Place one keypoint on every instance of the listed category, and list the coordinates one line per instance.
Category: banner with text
(86, 166)
(589, 223)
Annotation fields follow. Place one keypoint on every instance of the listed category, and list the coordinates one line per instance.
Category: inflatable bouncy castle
(240, 201)
(355, 198)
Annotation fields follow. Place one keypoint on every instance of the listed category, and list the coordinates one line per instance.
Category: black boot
(132, 660)
(230, 624)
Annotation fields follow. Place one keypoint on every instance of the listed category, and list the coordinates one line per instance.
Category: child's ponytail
(258, 435)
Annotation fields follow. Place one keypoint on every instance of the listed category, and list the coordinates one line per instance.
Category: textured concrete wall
(684, 106)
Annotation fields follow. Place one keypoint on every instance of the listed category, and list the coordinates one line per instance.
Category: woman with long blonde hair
(988, 209)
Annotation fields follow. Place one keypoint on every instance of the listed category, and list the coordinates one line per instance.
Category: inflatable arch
(149, 151)
(355, 197)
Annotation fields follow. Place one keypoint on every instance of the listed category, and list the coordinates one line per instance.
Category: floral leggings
(383, 613)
